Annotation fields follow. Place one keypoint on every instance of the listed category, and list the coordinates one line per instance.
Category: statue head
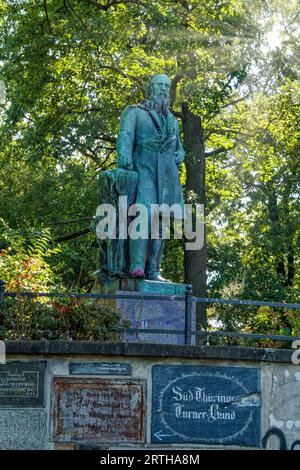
(159, 92)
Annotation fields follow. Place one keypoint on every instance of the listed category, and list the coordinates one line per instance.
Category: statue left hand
(179, 156)
(125, 162)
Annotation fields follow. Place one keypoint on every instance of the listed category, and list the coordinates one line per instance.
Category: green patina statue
(114, 251)
(149, 143)
(149, 158)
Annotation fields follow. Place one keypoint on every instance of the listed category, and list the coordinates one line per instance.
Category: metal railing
(188, 300)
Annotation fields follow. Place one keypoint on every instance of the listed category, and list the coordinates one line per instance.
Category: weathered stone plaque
(98, 410)
(155, 314)
(22, 384)
(285, 407)
(209, 405)
(100, 368)
(23, 429)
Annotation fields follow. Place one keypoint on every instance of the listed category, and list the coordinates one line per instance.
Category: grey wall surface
(72, 395)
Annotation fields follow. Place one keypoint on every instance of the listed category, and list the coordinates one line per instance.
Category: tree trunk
(195, 261)
(289, 234)
(290, 266)
(276, 232)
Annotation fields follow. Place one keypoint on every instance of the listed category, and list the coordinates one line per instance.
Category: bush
(24, 259)
(29, 319)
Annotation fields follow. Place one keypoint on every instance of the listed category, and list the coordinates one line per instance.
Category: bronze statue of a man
(149, 143)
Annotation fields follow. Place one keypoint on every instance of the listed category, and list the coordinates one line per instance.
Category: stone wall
(80, 395)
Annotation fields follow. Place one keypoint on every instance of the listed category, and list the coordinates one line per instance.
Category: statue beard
(160, 103)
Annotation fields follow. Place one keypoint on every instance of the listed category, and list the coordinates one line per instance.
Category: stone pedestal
(154, 314)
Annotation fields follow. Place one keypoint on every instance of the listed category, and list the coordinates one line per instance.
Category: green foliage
(209, 96)
(24, 258)
(256, 245)
(71, 66)
(173, 261)
(29, 319)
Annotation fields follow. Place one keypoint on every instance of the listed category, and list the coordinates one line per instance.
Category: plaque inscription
(22, 384)
(93, 410)
(210, 405)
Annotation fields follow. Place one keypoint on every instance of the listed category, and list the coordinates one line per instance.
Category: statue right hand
(125, 162)
(179, 157)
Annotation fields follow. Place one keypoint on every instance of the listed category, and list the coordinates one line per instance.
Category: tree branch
(174, 84)
(238, 100)
(93, 109)
(114, 3)
(104, 147)
(177, 114)
(62, 9)
(186, 5)
(47, 16)
(73, 221)
(230, 131)
(293, 20)
(77, 16)
(108, 138)
(125, 75)
(222, 149)
(72, 235)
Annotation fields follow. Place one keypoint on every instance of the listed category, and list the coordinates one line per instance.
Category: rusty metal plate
(98, 410)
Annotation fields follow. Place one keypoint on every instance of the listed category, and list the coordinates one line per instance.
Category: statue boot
(154, 260)
(138, 254)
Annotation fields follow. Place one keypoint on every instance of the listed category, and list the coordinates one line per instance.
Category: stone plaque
(209, 405)
(22, 384)
(98, 410)
(23, 429)
(100, 368)
(285, 407)
(155, 314)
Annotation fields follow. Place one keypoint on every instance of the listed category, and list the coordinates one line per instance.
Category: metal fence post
(188, 315)
(2, 290)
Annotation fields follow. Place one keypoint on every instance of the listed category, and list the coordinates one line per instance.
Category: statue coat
(150, 143)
